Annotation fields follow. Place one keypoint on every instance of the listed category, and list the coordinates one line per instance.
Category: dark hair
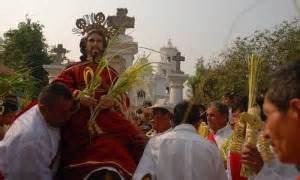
(10, 104)
(285, 86)
(230, 95)
(221, 108)
(139, 111)
(241, 104)
(161, 111)
(49, 94)
(83, 43)
(82, 46)
(186, 112)
(147, 104)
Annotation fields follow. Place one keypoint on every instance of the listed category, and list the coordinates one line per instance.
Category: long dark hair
(82, 46)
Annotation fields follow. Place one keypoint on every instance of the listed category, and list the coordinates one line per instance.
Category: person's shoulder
(209, 148)
(76, 64)
(169, 134)
(162, 133)
(156, 136)
(29, 113)
(198, 141)
(227, 132)
(27, 125)
(155, 141)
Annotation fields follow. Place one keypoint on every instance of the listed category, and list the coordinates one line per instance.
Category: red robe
(235, 166)
(121, 144)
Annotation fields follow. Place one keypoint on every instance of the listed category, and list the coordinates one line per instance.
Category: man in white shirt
(217, 117)
(181, 153)
(29, 148)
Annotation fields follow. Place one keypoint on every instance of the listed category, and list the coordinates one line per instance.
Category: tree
(25, 48)
(193, 81)
(229, 70)
(1, 46)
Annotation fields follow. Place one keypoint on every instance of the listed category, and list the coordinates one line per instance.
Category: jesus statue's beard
(96, 54)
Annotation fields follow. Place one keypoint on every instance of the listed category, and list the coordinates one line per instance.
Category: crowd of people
(51, 139)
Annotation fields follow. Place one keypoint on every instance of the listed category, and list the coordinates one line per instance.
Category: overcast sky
(196, 27)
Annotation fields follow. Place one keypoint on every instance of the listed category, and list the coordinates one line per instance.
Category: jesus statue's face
(95, 46)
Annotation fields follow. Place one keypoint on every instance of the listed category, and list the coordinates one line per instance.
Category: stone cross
(121, 20)
(177, 59)
(60, 52)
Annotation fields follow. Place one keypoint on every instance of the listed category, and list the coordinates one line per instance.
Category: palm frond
(18, 83)
(253, 65)
(130, 77)
(253, 119)
(127, 80)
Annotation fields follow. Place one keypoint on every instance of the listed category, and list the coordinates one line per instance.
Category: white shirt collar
(223, 129)
(185, 127)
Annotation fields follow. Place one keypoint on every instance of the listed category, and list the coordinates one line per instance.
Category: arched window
(141, 93)
(167, 90)
(164, 72)
(169, 59)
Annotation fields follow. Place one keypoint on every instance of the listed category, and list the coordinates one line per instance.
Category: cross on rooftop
(121, 20)
(178, 58)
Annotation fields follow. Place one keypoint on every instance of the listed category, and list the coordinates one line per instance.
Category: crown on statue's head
(95, 22)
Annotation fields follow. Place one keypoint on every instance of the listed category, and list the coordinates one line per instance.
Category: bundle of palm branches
(253, 115)
(240, 129)
(130, 78)
(226, 147)
(247, 130)
(254, 126)
(238, 136)
(263, 146)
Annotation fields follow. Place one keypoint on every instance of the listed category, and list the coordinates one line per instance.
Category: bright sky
(196, 27)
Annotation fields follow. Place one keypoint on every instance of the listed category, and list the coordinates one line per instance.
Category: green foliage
(229, 70)
(25, 48)
(17, 83)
